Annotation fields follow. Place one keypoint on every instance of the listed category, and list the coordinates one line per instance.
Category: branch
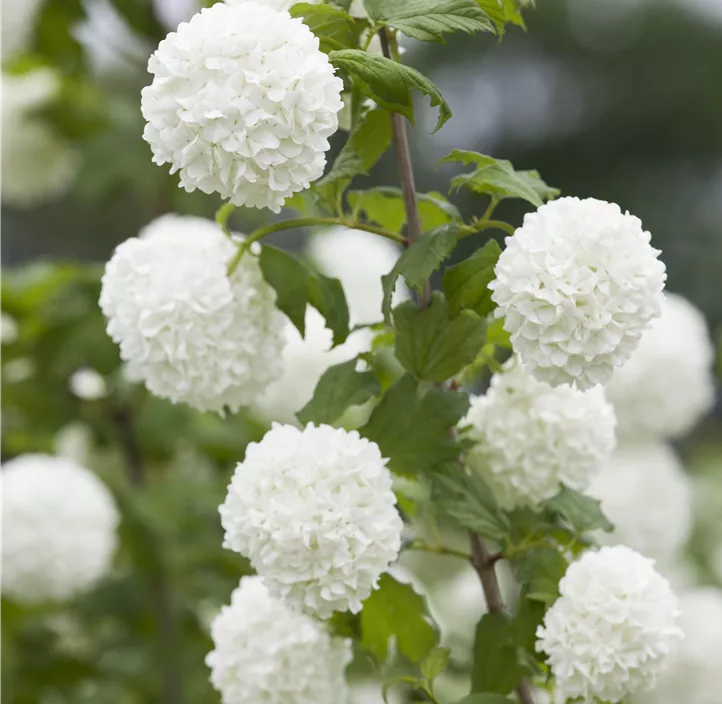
(168, 637)
(484, 563)
(405, 167)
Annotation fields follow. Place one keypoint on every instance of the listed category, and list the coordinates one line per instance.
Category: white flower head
(358, 259)
(613, 629)
(314, 512)
(531, 437)
(88, 384)
(668, 384)
(694, 674)
(646, 494)
(188, 330)
(578, 284)
(59, 529)
(305, 359)
(18, 23)
(242, 104)
(266, 653)
(278, 5)
(37, 164)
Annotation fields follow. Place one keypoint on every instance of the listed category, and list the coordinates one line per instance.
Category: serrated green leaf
(395, 609)
(389, 83)
(583, 513)
(467, 284)
(413, 431)
(419, 261)
(501, 12)
(496, 664)
(435, 663)
(296, 285)
(467, 500)
(435, 210)
(428, 20)
(540, 572)
(498, 178)
(433, 346)
(339, 388)
(334, 27)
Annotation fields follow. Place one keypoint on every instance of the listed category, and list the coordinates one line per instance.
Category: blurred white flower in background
(88, 384)
(8, 329)
(171, 13)
(531, 437)
(314, 512)
(74, 441)
(612, 631)
(668, 383)
(59, 529)
(577, 284)
(695, 672)
(266, 653)
(242, 104)
(191, 332)
(19, 369)
(111, 45)
(37, 164)
(359, 259)
(305, 360)
(647, 495)
(18, 23)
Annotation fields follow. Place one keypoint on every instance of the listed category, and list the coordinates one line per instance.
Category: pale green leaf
(435, 663)
(540, 572)
(383, 205)
(335, 28)
(467, 284)
(583, 513)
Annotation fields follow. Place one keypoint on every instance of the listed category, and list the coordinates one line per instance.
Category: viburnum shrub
(243, 101)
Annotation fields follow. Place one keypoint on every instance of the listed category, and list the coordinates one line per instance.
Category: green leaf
(435, 210)
(467, 284)
(431, 345)
(583, 513)
(465, 497)
(335, 28)
(296, 285)
(496, 665)
(389, 83)
(340, 387)
(395, 609)
(501, 12)
(540, 572)
(496, 335)
(419, 261)
(363, 148)
(486, 698)
(383, 205)
(412, 431)
(498, 178)
(435, 663)
(428, 20)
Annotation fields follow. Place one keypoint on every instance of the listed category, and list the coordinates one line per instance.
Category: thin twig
(406, 171)
(168, 636)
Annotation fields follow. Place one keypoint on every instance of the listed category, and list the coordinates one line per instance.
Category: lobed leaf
(583, 513)
(540, 572)
(334, 27)
(467, 284)
(496, 665)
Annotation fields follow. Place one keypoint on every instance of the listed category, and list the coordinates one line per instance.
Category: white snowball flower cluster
(531, 437)
(59, 529)
(277, 4)
(37, 164)
(578, 284)
(646, 494)
(18, 21)
(613, 629)
(314, 512)
(266, 653)
(242, 103)
(694, 674)
(358, 259)
(668, 384)
(305, 359)
(189, 331)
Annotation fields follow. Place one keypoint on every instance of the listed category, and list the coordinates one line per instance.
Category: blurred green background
(616, 99)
